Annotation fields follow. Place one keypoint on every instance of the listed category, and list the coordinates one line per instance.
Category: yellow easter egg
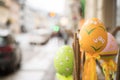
(93, 36)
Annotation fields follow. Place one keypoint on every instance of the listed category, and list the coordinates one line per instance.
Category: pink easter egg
(111, 48)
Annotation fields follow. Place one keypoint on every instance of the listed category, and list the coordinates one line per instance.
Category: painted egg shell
(61, 77)
(93, 36)
(63, 61)
(111, 49)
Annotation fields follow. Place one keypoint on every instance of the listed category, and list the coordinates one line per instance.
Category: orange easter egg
(93, 36)
(81, 23)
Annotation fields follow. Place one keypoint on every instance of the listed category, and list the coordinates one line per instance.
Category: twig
(114, 31)
(77, 58)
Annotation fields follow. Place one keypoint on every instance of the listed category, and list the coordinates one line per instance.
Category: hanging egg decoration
(63, 61)
(111, 49)
(61, 77)
(93, 36)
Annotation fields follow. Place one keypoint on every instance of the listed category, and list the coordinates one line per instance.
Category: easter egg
(111, 49)
(93, 36)
(63, 61)
(81, 23)
(61, 77)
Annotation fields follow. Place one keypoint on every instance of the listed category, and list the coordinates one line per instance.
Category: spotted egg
(63, 61)
(93, 36)
(61, 77)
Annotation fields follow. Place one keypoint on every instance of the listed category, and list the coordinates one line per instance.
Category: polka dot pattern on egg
(63, 61)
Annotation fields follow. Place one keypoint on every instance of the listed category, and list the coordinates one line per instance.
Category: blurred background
(31, 31)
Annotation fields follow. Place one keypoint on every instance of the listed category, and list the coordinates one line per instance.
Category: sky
(57, 6)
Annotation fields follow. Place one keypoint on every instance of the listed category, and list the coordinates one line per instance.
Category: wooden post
(77, 58)
(107, 13)
(105, 10)
(118, 68)
(90, 9)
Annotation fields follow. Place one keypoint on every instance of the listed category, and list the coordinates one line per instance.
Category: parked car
(10, 52)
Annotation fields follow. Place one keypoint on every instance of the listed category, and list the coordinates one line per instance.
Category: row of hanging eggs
(93, 39)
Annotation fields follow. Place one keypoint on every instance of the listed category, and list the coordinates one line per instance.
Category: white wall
(57, 6)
